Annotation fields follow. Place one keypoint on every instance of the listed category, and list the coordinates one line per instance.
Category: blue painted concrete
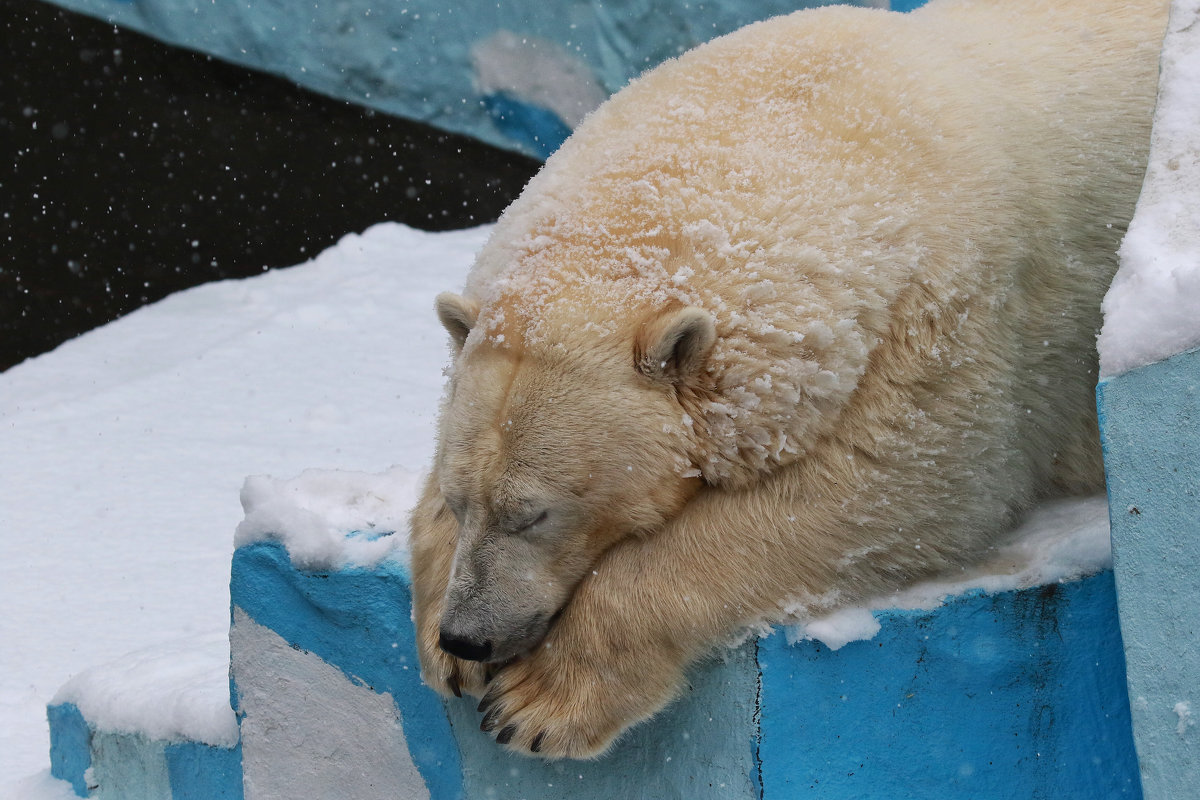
(1017, 694)
(1011, 695)
(413, 58)
(359, 621)
(200, 772)
(700, 748)
(129, 765)
(70, 745)
(1150, 428)
(540, 130)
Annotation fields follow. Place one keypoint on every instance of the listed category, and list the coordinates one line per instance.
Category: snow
(331, 518)
(1061, 540)
(124, 451)
(39, 786)
(838, 629)
(1152, 310)
(177, 691)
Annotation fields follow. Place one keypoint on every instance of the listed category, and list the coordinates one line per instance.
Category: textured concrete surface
(990, 696)
(1150, 426)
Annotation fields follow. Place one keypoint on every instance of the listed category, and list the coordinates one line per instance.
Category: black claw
(486, 702)
(452, 682)
(505, 735)
(537, 743)
(489, 720)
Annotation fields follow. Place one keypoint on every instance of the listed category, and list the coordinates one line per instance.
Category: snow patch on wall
(1183, 710)
(538, 71)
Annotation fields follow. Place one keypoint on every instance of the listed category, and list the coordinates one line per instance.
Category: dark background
(132, 169)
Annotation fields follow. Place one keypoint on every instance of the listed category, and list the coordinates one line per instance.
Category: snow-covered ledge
(153, 725)
(1000, 682)
(1003, 681)
(1149, 402)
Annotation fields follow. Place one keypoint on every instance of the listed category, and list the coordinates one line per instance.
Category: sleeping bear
(800, 317)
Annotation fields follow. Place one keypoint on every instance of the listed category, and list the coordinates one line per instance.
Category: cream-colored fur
(801, 316)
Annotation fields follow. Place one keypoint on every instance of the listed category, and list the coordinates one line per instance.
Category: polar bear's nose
(464, 648)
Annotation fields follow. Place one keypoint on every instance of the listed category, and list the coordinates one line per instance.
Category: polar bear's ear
(457, 314)
(673, 347)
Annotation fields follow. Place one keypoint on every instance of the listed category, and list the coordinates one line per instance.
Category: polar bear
(802, 316)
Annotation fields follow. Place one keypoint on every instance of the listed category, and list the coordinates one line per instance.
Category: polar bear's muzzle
(467, 649)
(502, 644)
(506, 589)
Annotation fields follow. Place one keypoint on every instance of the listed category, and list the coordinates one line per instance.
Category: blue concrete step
(112, 765)
(1013, 694)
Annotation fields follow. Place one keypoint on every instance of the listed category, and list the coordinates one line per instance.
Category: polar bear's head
(551, 452)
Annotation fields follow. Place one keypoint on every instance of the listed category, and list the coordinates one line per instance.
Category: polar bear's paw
(572, 697)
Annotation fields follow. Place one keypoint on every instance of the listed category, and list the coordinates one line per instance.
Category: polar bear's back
(792, 124)
(852, 193)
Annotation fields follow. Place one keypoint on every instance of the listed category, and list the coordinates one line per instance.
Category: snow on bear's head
(552, 451)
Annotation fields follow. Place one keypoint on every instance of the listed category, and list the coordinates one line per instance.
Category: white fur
(900, 226)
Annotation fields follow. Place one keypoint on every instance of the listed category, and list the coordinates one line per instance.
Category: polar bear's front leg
(434, 533)
(651, 607)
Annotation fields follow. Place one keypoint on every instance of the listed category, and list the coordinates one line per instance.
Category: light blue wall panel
(109, 765)
(1150, 427)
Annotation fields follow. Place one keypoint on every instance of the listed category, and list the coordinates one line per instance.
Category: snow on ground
(124, 452)
(1152, 310)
